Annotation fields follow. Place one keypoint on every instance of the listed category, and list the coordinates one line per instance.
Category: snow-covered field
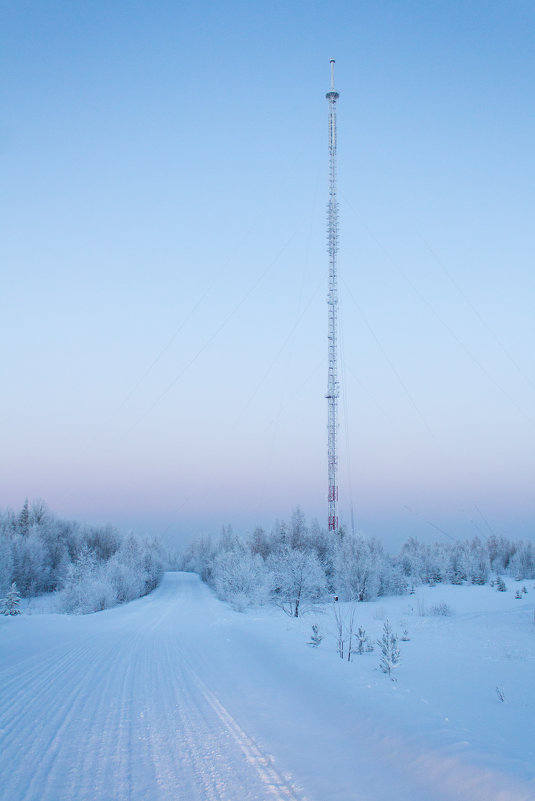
(176, 696)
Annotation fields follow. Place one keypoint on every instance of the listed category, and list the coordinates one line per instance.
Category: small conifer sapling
(390, 653)
(316, 637)
(10, 605)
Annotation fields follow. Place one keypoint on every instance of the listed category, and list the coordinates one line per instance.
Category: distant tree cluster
(296, 564)
(470, 561)
(293, 566)
(90, 567)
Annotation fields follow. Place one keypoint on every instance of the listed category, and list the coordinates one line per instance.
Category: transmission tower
(332, 305)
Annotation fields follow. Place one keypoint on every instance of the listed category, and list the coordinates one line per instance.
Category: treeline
(90, 567)
(296, 564)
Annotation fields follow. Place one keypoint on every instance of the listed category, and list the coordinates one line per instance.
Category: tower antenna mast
(332, 305)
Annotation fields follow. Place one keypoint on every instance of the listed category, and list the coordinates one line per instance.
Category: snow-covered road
(174, 696)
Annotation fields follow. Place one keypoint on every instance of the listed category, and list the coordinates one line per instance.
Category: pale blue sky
(164, 174)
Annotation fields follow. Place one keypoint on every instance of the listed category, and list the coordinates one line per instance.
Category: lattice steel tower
(332, 305)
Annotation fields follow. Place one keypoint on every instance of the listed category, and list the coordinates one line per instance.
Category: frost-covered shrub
(93, 594)
(127, 582)
(199, 558)
(86, 589)
(241, 578)
(442, 609)
(135, 569)
(91, 586)
(152, 564)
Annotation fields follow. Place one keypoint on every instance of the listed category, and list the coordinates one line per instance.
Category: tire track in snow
(61, 707)
(278, 787)
(65, 694)
(98, 767)
(179, 739)
(35, 684)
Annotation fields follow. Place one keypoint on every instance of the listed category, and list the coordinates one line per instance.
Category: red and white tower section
(332, 305)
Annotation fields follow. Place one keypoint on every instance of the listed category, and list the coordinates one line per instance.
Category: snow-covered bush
(88, 586)
(91, 586)
(127, 582)
(241, 578)
(199, 558)
(440, 609)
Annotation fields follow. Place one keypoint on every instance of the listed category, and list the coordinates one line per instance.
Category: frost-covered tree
(479, 562)
(522, 564)
(298, 579)
(23, 520)
(10, 605)
(356, 568)
(346, 631)
(78, 595)
(31, 567)
(102, 541)
(6, 562)
(38, 512)
(298, 533)
(199, 558)
(259, 543)
(501, 552)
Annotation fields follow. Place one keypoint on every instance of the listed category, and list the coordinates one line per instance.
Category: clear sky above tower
(164, 265)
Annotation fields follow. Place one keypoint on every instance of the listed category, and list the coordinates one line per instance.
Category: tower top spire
(332, 94)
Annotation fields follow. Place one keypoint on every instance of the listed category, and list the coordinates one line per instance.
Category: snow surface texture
(176, 696)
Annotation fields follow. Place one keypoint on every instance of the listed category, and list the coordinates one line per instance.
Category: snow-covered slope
(175, 696)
